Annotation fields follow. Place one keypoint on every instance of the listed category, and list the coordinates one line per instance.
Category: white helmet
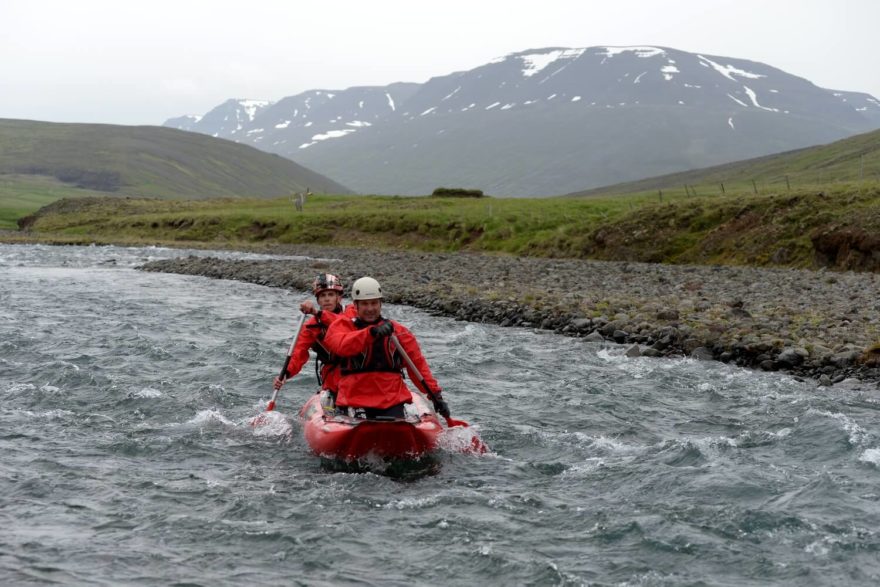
(366, 288)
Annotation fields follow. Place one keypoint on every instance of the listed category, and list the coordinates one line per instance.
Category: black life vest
(324, 356)
(379, 356)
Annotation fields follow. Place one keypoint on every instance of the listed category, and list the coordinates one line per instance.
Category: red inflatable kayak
(343, 438)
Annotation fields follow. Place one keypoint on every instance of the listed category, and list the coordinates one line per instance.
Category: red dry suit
(312, 337)
(371, 367)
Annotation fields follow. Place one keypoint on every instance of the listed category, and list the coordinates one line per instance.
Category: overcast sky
(143, 61)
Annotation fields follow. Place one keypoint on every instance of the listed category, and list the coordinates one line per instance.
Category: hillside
(42, 161)
(547, 121)
(804, 228)
(852, 159)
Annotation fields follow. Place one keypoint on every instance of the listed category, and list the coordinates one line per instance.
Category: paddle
(477, 444)
(261, 419)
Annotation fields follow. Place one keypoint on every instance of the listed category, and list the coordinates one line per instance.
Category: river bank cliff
(819, 324)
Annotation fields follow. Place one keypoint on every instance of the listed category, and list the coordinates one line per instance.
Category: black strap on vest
(379, 356)
(324, 356)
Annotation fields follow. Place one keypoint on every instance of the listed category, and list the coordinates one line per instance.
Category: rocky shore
(824, 325)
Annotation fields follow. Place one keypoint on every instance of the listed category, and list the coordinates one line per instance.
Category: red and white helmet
(325, 281)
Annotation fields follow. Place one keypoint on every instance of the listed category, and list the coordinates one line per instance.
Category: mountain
(852, 159)
(148, 161)
(548, 121)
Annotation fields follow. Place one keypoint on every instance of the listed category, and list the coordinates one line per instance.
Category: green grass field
(508, 225)
(24, 194)
(781, 228)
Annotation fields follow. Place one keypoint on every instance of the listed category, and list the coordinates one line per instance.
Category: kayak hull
(347, 439)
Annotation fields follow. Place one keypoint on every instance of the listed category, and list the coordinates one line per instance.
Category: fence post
(723, 193)
(755, 187)
(660, 193)
(787, 184)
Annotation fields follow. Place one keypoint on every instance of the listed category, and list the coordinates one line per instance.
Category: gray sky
(143, 61)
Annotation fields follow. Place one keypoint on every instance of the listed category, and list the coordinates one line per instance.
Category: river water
(126, 457)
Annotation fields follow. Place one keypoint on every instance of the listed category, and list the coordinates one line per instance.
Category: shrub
(457, 193)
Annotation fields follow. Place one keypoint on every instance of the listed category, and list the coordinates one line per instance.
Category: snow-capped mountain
(547, 121)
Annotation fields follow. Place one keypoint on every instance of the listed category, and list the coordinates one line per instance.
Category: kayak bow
(340, 437)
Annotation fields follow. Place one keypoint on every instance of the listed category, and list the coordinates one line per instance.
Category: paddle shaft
(412, 366)
(424, 385)
(283, 375)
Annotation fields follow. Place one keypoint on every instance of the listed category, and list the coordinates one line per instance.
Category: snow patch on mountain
(535, 62)
(729, 71)
(643, 52)
(332, 134)
(738, 101)
(754, 98)
(451, 94)
(668, 70)
(251, 107)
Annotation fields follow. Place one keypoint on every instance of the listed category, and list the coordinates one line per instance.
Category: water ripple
(129, 454)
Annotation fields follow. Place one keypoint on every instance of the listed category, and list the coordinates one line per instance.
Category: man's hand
(440, 405)
(307, 307)
(277, 383)
(384, 329)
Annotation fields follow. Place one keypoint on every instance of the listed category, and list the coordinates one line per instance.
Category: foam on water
(210, 417)
(870, 455)
(147, 392)
(459, 439)
(271, 424)
(857, 434)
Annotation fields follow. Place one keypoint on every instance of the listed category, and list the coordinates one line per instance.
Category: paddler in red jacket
(328, 293)
(371, 380)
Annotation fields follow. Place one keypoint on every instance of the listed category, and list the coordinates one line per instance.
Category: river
(127, 458)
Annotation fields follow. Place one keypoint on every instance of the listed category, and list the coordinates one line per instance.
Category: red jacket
(311, 337)
(375, 389)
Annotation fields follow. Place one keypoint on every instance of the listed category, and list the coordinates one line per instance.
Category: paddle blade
(453, 422)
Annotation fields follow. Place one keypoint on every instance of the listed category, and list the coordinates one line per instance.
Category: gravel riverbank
(824, 325)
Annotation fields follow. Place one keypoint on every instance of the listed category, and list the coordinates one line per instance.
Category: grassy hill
(806, 228)
(852, 159)
(41, 162)
(816, 219)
